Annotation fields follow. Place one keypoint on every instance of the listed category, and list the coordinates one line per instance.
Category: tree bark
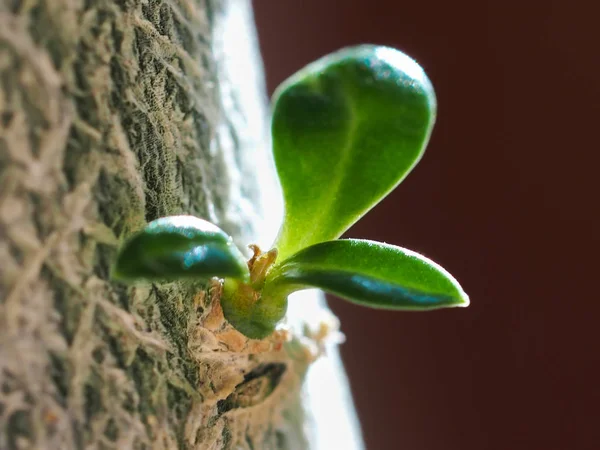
(112, 114)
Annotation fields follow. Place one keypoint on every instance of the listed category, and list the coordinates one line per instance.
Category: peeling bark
(112, 114)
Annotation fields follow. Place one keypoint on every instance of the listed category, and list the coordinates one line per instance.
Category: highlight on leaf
(346, 131)
(177, 247)
(371, 274)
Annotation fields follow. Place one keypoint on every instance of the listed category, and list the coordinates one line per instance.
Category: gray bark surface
(112, 114)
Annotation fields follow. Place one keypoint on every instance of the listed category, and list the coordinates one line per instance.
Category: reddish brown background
(506, 198)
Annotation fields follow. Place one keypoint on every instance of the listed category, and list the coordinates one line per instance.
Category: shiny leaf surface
(346, 130)
(178, 247)
(369, 273)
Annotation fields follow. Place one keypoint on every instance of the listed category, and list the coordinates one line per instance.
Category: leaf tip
(462, 301)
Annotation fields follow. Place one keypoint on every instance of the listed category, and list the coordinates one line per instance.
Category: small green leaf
(346, 130)
(178, 247)
(371, 274)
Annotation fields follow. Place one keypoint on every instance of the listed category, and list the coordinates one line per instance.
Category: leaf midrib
(327, 208)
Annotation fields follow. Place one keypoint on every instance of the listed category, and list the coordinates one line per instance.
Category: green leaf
(178, 247)
(369, 273)
(346, 130)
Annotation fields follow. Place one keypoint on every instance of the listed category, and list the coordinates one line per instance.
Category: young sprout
(346, 129)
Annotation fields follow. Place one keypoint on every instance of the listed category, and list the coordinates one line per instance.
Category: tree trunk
(112, 114)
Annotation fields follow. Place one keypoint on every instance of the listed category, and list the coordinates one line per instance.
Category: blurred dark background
(506, 198)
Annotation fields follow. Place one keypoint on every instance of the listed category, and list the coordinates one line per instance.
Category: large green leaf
(346, 130)
(369, 273)
(177, 247)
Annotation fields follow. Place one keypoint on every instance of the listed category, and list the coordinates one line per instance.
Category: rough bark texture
(114, 113)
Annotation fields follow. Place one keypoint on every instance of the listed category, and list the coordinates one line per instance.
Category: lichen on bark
(112, 114)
